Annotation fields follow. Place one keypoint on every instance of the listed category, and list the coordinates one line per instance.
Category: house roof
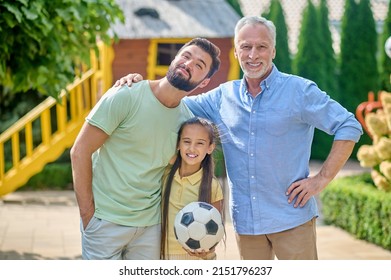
(176, 19)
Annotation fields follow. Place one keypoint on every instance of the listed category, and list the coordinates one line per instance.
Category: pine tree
(309, 57)
(349, 53)
(283, 58)
(358, 70)
(322, 141)
(329, 62)
(236, 6)
(369, 45)
(385, 60)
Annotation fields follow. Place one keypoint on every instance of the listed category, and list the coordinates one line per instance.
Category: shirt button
(252, 155)
(253, 197)
(252, 176)
(252, 133)
(254, 112)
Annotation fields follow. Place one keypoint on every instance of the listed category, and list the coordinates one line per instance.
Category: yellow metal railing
(54, 138)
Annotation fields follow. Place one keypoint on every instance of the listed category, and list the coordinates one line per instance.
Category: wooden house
(154, 30)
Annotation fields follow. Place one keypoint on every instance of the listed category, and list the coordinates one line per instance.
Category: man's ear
(204, 83)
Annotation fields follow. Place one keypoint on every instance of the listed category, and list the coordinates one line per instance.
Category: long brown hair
(207, 165)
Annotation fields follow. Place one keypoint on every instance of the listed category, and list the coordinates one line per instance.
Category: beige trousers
(298, 243)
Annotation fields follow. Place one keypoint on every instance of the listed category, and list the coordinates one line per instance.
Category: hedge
(354, 204)
(54, 176)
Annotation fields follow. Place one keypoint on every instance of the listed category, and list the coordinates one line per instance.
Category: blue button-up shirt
(266, 143)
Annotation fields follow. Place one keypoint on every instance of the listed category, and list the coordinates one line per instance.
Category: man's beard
(254, 75)
(178, 81)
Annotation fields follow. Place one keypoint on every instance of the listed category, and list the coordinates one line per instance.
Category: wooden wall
(130, 56)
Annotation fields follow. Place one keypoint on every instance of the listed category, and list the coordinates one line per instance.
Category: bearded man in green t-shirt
(121, 151)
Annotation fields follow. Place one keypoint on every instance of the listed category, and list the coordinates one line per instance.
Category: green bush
(354, 204)
(54, 176)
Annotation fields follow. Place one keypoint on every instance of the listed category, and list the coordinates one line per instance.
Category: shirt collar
(193, 179)
(268, 82)
(265, 84)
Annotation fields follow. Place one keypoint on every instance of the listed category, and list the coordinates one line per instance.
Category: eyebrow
(188, 138)
(189, 53)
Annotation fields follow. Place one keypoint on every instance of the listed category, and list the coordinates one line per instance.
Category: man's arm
(87, 142)
(304, 189)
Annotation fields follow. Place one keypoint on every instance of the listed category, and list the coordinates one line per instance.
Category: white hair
(257, 20)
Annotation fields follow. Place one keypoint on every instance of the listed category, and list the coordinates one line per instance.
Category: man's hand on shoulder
(129, 80)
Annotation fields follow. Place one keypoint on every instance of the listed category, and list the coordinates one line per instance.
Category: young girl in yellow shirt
(189, 178)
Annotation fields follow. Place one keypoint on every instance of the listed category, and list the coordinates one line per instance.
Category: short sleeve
(217, 191)
(111, 110)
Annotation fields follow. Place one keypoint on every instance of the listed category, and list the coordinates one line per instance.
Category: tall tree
(236, 6)
(309, 58)
(370, 39)
(322, 141)
(349, 54)
(385, 60)
(283, 59)
(329, 62)
(358, 66)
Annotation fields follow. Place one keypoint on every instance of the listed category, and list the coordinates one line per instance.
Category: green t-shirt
(127, 169)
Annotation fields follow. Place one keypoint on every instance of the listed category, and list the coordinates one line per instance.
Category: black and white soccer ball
(198, 226)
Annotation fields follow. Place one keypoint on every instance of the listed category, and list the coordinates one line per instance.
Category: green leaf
(24, 2)
(31, 15)
(10, 20)
(15, 11)
(46, 38)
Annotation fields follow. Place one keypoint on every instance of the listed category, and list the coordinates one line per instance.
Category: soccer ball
(198, 226)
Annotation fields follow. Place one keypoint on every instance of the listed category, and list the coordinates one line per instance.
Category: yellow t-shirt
(183, 191)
